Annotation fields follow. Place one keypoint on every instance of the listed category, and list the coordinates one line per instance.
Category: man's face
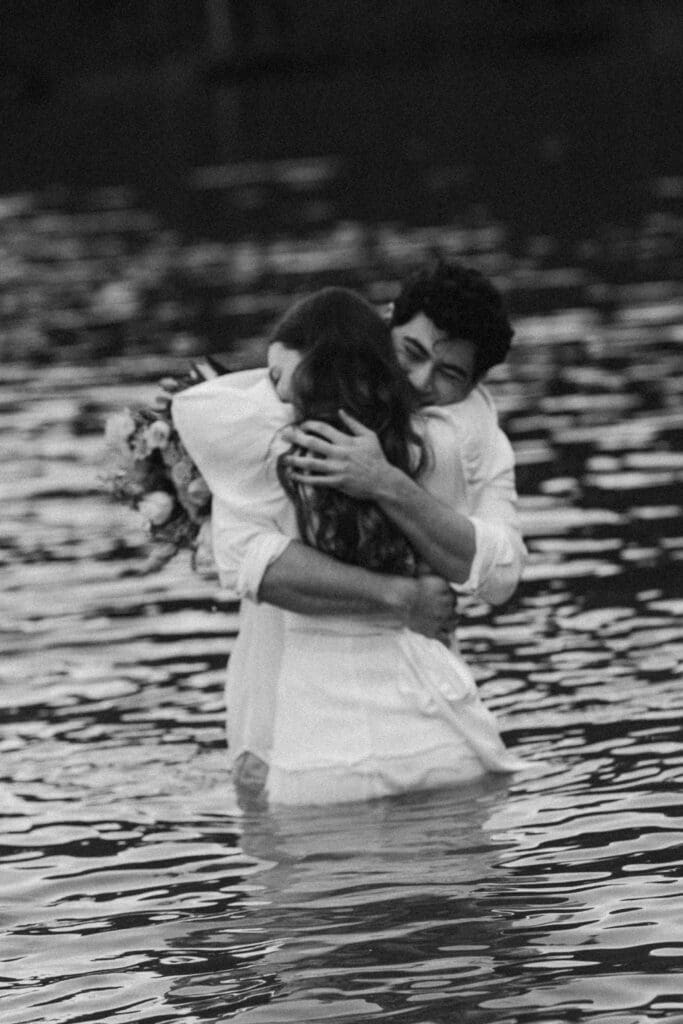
(441, 369)
(282, 362)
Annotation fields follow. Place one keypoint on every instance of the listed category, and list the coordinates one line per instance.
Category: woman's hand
(352, 463)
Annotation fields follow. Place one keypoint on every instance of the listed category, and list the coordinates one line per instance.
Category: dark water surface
(133, 888)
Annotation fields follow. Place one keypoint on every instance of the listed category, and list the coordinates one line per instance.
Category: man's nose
(422, 379)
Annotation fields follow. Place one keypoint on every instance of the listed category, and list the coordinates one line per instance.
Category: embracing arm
(443, 537)
(304, 580)
(482, 552)
(228, 431)
(255, 559)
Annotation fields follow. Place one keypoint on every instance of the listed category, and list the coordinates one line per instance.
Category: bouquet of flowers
(149, 470)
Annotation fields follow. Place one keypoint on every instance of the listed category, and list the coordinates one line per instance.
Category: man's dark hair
(462, 302)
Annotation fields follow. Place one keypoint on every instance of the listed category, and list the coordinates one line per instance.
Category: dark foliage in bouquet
(149, 470)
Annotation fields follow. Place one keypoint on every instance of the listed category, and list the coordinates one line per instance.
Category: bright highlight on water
(133, 888)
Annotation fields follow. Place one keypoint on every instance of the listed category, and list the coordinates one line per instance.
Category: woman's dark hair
(349, 363)
(463, 303)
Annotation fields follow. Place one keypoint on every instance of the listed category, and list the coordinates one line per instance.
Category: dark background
(554, 115)
(172, 174)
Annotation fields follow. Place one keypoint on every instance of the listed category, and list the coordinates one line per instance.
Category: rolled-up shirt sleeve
(245, 543)
(498, 562)
(500, 552)
(230, 428)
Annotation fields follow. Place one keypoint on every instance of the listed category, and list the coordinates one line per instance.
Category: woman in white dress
(364, 707)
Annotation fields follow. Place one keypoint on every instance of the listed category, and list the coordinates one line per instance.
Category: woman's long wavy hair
(349, 363)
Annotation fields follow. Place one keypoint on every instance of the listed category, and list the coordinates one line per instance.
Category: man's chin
(419, 398)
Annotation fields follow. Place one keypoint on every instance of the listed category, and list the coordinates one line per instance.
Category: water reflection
(134, 888)
(370, 910)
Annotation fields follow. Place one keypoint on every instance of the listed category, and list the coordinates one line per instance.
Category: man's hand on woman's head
(353, 463)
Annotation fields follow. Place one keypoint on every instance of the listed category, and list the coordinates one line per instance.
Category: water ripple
(134, 888)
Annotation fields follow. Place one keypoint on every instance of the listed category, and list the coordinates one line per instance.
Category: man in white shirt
(449, 326)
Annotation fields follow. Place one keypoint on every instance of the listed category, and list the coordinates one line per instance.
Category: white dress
(358, 709)
(365, 710)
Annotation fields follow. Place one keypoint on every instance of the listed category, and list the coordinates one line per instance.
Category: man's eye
(412, 353)
(453, 377)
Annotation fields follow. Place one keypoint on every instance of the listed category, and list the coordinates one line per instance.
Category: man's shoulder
(482, 440)
(482, 400)
(475, 412)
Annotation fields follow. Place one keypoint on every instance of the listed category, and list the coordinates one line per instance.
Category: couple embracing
(358, 483)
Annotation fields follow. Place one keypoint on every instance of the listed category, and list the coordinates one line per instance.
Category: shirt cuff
(262, 552)
(496, 565)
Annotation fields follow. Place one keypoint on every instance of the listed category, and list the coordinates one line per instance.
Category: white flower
(182, 472)
(116, 301)
(203, 561)
(157, 507)
(198, 492)
(119, 427)
(157, 435)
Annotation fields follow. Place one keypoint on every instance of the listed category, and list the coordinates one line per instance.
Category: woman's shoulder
(234, 398)
(476, 412)
(231, 426)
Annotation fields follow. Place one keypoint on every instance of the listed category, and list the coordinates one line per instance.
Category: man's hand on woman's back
(433, 608)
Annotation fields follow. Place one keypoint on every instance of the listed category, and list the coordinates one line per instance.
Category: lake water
(133, 888)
